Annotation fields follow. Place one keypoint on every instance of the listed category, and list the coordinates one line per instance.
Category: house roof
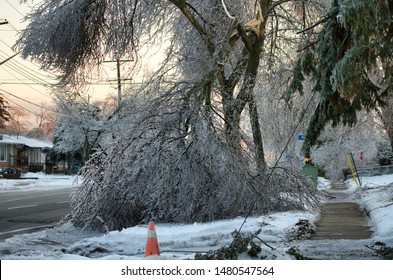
(22, 140)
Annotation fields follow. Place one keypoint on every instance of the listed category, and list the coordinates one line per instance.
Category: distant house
(23, 152)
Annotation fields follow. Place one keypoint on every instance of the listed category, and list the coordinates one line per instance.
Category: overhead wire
(19, 12)
(30, 76)
(28, 84)
(25, 72)
(13, 27)
(32, 103)
(50, 76)
(14, 66)
(20, 106)
(27, 101)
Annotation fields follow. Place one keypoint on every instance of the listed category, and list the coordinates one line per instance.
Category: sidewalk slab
(341, 218)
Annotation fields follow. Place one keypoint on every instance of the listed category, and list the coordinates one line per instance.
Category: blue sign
(300, 137)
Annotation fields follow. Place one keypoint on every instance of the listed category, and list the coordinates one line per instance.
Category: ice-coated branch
(226, 10)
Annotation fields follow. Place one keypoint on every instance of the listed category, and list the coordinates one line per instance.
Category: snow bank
(376, 197)
(40, 182)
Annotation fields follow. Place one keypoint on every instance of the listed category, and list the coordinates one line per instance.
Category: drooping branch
(226, 10)
(183, 7)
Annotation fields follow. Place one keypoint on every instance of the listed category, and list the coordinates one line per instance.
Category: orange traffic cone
(152, 242)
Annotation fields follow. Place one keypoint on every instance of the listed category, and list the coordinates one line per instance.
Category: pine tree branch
(308, 46)
(314, 25)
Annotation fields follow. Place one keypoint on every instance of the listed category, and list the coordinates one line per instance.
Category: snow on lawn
(377, 200)
(38, 181)
(182, 241)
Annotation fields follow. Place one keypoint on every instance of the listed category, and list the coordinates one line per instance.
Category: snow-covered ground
(182, 241)
(38, 181)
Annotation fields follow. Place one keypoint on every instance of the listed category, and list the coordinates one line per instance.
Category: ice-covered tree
(185, 155)
(81, 126)
(350, 62)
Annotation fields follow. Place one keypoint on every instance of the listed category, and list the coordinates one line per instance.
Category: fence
(369, 171)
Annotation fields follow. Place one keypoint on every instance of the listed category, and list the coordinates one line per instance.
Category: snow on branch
(226, 10)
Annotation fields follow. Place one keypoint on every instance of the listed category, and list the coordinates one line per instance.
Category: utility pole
(118, 61)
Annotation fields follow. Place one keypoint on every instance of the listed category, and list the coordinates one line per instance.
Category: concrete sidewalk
(341, 218)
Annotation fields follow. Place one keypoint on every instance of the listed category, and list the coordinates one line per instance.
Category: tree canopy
(349, 61)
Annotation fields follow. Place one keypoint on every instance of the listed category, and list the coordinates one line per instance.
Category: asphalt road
(22, 212)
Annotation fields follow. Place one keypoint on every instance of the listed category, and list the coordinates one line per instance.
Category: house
(23, 152)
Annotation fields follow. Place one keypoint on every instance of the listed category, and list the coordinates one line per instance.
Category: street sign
(300, 137)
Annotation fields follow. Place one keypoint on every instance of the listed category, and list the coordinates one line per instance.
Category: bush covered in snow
(384, 153)
(335, 143)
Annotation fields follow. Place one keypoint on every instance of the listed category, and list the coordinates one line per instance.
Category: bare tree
(18, 122)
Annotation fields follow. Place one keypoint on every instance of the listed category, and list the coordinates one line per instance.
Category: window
(3, 152)
(37, 155)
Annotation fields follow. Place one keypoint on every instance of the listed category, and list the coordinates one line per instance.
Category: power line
(24, 108)
(11, 57)
(49, 76)
(27, 75)
(27, 101)
(32, 103)
(14, 8)
(30, 86)
(13, 27)
(24, 66)
(27, 72)
(20, 83)
(6, 22)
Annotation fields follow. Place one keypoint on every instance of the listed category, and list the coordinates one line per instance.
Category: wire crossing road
(22, 212)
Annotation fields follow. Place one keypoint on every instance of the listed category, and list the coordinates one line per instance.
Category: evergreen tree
(349, 61)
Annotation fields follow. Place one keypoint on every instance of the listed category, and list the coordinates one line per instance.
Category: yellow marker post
(352, 170)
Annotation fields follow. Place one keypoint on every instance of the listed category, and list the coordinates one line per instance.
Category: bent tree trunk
(244, 75)
(253, 36)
